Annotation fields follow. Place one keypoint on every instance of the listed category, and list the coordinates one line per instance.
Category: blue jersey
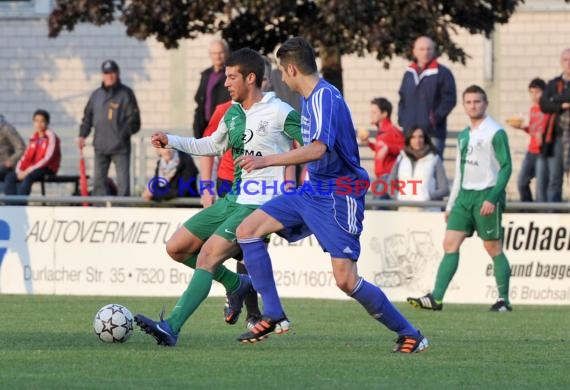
(327, 118)
(338, 174)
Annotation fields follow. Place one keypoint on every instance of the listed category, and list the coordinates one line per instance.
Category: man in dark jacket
(113, 112)
(554, 158)
(427, 94)
(211, 90)
(12, 147)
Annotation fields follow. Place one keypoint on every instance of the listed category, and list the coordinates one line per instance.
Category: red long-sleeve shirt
(536, 126)
(226, 165)
(393, 138)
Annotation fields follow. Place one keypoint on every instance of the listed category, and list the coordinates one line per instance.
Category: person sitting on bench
(42, 157)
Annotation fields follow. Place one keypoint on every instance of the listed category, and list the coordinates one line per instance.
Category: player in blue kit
(335, 218)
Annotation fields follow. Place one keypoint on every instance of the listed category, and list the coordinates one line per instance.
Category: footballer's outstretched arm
(213, 145)
(206, 146)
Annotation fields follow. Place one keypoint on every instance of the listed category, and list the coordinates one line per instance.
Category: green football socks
(229, 279)
(445, 272)
(502, 276)
(197, 291)
(191, 261)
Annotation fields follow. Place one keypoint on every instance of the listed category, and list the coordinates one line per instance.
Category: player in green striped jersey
(255, 124)
(477, 200)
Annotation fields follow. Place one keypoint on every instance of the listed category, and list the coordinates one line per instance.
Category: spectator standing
(427, 93)
(555, 152)
(535, 129)
(389, 140)
(42, 157)
(420, 161)
(172, 166)
(113, 112)
(211, 91)
(12, 147)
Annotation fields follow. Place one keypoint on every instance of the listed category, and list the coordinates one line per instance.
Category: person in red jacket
(535, 129)
(389, 140)
(42, 157)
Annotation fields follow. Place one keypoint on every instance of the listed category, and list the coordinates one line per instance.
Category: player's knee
(174, 253)
(345, 283)
(207, 259)
(450, 245)
(344, 286)
(493, 248)
(245, 230)
(180, 250)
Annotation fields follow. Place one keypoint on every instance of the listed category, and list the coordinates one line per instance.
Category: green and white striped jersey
(483, 161)
(268, 127)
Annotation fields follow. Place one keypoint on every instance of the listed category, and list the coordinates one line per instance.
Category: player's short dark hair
(43, 113)
(537, 83)
(300, 53)
(383, 104)
(475, 89)
(248, 61)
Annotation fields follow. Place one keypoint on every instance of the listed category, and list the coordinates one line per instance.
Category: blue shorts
(335, 220)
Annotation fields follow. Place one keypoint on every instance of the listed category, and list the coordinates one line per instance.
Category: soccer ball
(113, 324)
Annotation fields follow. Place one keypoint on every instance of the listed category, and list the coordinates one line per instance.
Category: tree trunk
(331, 66)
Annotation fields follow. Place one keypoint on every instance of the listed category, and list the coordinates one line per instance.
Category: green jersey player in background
(256, 124)
(477, 200)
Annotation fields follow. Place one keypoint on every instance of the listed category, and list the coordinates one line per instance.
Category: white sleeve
(456, 182)
(213, 145)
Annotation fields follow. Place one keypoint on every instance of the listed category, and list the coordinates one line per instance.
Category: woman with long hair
(419, 161)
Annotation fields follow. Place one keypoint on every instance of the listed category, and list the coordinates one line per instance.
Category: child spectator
(41, 158)
(389, 140)
(535, 129)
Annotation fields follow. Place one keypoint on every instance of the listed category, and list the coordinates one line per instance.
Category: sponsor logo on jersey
(246, 152)
(246, 136)
(262, 129)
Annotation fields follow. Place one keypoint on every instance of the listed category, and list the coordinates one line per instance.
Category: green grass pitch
(47, 342)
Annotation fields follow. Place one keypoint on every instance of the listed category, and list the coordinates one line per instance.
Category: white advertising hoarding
(121, 251)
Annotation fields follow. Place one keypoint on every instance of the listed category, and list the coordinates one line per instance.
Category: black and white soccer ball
(113, 323)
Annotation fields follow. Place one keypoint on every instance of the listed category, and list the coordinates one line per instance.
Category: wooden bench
(61, 179)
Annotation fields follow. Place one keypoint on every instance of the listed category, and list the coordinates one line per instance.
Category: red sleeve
(394, 139)
(217, 116)
(26, 158)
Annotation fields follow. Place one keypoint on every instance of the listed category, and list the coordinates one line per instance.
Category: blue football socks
(258, 264)
(379, 307)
